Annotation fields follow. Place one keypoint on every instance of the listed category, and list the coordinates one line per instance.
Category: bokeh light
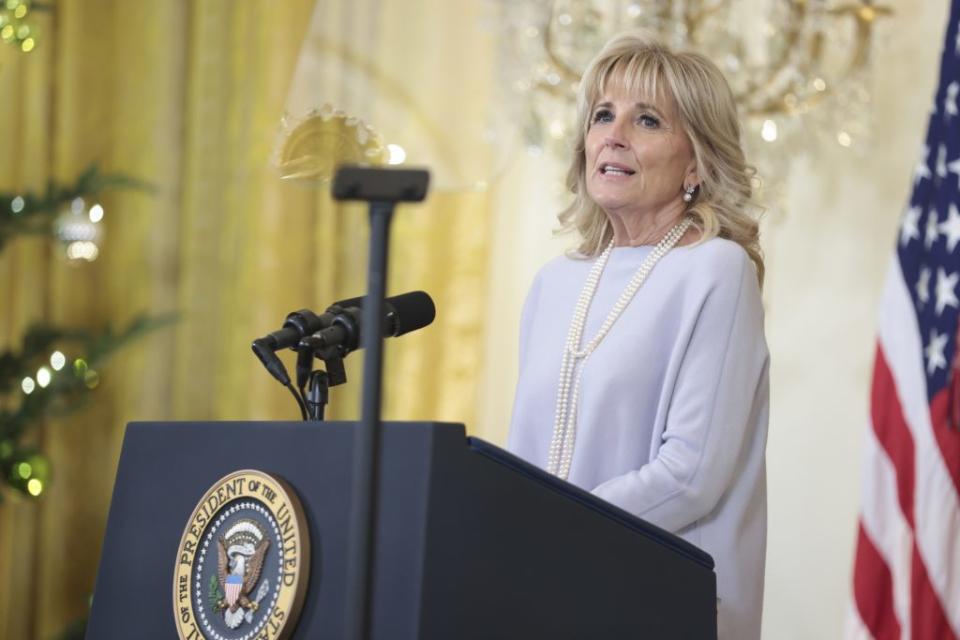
(57, 360)
(397, 154)
(82, 250)
(34, 487)
(769, 130)
(92, 379)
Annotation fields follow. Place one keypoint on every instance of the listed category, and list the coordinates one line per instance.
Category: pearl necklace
(574, 357)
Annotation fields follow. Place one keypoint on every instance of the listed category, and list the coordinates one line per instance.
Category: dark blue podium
(471, 541)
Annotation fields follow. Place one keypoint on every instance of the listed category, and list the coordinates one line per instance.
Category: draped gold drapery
(187, 95)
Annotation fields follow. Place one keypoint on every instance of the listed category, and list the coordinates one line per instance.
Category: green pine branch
(68, 390)
(32, 213)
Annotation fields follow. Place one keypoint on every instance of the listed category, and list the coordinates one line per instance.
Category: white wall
(827, 252)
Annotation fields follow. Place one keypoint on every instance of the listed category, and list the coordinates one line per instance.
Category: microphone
(297, 325)
(304, 322)
(402, 314)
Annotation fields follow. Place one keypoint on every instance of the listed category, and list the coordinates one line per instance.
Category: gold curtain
(188, 95)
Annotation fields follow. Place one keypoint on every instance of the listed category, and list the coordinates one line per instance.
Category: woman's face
(638, 156)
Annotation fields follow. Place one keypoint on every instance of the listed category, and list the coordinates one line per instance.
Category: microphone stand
(318, 394)
(317, 383)
(382, 188)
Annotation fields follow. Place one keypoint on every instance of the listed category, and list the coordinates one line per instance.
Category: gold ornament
(310, 148)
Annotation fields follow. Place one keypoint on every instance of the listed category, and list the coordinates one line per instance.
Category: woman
(643, 364)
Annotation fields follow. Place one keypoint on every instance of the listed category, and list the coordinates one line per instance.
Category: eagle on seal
(240, 554)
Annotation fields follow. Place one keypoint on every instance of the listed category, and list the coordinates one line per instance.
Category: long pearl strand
(574, 357)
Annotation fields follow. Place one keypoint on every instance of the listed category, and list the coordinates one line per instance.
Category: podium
(471, 541)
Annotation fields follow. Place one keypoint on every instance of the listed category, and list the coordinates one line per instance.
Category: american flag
(906, 581)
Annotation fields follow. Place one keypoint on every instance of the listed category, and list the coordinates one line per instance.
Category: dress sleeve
(718, 400)
(527, 314)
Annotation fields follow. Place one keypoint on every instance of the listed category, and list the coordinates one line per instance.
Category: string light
(28, 385)
(34, 487)
(91, 378)
(17, 204)
(57, 360)
(43, 377)
(14, 27)
(31, 474)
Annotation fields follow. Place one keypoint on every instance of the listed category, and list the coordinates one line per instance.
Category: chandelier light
(799, 68)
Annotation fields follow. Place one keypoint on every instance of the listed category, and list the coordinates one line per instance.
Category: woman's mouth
(613, 169)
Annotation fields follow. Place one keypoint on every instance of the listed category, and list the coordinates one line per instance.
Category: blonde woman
(643, 363)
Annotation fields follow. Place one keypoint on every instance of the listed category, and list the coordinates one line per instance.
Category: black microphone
(402, 314)
(297, 325)
(304, 322)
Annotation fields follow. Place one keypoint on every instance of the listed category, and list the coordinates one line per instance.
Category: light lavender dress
(673, 409)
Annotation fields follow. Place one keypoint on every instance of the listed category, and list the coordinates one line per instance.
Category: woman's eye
(649, 121)
(603, 115)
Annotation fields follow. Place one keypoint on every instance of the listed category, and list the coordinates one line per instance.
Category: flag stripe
(884, 524)
(854, 627)
(892, 432)
(873, 591)
(928, 619)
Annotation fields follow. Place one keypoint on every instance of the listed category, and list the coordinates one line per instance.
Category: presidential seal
(243, 561)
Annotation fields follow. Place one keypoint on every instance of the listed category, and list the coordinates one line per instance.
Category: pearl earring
(688, 193)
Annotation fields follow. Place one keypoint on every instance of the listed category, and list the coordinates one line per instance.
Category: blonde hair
(705, 105)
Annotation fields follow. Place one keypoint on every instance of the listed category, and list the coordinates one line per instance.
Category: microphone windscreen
(413, 310)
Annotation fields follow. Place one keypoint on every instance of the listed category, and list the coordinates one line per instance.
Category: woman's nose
(614, 141)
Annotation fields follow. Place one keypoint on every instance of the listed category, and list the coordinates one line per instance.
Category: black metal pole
(366, 458)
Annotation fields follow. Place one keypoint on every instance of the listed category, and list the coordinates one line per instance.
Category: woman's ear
(691, 177)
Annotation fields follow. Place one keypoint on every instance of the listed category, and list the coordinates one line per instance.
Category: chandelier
(798, 68)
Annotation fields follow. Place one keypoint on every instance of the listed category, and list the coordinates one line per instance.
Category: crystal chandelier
(798, 68)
